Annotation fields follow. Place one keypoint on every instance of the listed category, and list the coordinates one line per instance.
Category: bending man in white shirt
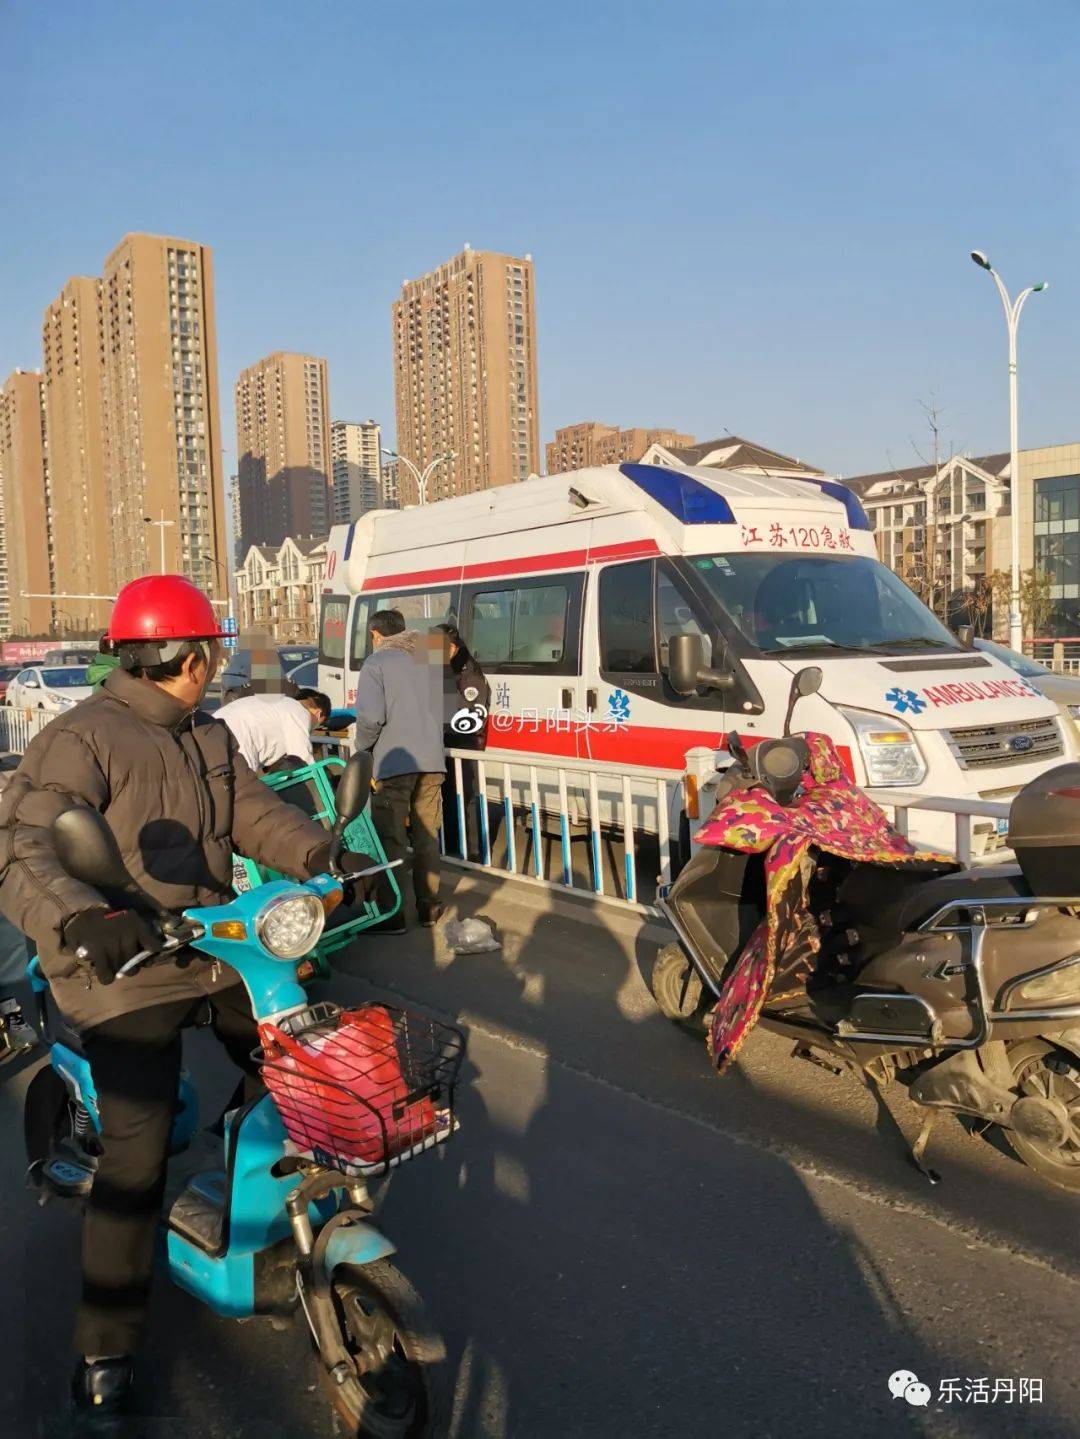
(273, 731)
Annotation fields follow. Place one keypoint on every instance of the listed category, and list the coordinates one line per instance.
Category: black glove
(349, 862)
(110, 938)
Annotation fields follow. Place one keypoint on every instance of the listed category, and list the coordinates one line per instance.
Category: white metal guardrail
(587, 799)
(592, 798)
(19, 726)
(964, 810)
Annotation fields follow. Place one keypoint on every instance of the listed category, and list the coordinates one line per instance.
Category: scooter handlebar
(182, 934)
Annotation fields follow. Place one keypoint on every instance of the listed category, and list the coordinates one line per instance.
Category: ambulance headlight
(290, 925)
(888, 747)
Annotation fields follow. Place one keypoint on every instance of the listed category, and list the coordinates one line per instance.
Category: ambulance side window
(676, 616)
(641, 605)
(526, 626)
(335, 609)
(626, 619)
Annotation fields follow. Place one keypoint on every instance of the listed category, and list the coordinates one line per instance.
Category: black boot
(430, 912)
(103, 1387)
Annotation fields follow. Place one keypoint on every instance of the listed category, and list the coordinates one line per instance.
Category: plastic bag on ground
(470, 936)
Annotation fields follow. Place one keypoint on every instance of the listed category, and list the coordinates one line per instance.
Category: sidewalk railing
(592, 828)
(19, 726)
(530, 808)
(963, 810)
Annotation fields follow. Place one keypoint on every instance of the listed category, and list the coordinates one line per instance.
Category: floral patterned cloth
(832, 815)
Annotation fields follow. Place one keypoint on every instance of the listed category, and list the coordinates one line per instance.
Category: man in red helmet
(178, 798)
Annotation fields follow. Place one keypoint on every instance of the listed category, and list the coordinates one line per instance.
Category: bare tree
(1036, 603)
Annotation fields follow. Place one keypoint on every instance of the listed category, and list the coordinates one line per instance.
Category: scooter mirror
(354, 790)
(85, 846)
(808, 681)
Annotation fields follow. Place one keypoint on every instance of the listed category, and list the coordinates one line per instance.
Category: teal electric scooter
(282, 1221)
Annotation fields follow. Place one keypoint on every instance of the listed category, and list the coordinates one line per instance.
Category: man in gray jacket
(399, 716)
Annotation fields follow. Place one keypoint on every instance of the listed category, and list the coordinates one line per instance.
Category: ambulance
(568, 590)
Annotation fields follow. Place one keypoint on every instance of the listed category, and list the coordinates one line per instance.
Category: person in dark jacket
(465, 726)
(176, 794)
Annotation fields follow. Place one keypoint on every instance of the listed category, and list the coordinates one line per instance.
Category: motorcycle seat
(873, 897)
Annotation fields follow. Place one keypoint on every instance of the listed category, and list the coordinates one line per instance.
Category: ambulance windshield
(786, 603)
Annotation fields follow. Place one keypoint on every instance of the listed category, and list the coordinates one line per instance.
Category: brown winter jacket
(178, 798)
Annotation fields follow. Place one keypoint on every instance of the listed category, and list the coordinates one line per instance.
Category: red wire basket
(362, 1090)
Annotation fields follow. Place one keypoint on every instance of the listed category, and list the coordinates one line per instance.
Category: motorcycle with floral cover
(803, 909)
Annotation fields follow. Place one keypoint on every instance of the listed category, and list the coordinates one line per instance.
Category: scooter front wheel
(678, 991)
(399, 1360)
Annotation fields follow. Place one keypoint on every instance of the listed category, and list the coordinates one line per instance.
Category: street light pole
(162, 524)
(1012, 310)
(429, 470)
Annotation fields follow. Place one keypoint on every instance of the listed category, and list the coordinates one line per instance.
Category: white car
(48, 687)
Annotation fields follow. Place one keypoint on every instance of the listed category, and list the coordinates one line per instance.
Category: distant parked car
(237, 672)
(68, 657)
(7, 674)
(305, 676)
(1064, 690)
(293, 655)
(48, 687)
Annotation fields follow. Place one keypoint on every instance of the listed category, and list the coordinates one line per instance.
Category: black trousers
(135, 1062)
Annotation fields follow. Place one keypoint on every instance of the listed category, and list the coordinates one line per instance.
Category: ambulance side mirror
(687, 670)
(966, 634)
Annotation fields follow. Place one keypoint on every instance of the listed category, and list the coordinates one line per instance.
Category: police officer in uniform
(468, 702)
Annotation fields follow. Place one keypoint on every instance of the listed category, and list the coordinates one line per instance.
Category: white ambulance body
(567, 589)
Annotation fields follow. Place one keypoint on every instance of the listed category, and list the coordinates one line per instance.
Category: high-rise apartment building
(24, 486)
(576, 446)
(160, 412)
(465, 374)
(78, 492)
(234, 521)
(391, 492)
(283, 441)
(356, 449)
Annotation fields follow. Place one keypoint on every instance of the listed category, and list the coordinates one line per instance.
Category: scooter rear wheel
(399, 1360)
(1052, 1076)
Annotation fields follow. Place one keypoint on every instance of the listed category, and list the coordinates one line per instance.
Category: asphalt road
(618, 1243)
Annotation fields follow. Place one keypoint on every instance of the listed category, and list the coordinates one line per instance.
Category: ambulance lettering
(975, 691)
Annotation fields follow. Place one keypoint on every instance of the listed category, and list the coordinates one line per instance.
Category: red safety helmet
(158, 609)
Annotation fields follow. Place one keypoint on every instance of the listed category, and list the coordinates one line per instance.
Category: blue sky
(751, 216)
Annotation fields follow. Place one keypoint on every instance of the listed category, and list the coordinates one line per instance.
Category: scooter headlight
(888, 747)
(290, 925)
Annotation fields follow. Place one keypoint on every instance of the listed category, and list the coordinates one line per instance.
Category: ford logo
(1021, 743)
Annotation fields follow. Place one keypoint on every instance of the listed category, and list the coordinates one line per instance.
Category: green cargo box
(311, 790)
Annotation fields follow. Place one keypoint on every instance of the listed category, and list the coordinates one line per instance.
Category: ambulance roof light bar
(680, 494)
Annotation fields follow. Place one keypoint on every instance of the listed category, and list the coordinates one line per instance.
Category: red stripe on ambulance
(526, 564)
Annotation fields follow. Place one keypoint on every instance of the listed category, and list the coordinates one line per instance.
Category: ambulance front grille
(992, 746)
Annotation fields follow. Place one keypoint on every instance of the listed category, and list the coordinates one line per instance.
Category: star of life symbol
(904, 701)
(618, 707)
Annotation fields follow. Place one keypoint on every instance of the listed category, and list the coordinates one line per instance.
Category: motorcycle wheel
(1045, 1072)
(399, 1361)
(678, 991)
